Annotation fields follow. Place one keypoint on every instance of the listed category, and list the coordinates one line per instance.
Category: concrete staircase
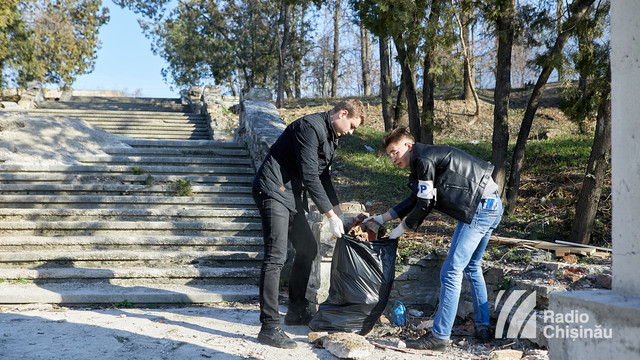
(140, 118)
(115, 229)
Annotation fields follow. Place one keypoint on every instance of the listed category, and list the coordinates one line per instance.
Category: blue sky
(125, 61)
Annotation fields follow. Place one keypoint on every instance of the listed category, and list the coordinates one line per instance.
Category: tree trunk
(589, 197)
(559, 30)
(336, 49)
(500, 142)
(365, 48)
(580, 8)
(468, 73)
(298, 44)
(401, 108)
(428, 82)
(466, 55)
(385, 83)
(285, 15)
(408, 79)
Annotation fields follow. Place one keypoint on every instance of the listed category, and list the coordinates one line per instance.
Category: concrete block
(593, 324)
(348, 346)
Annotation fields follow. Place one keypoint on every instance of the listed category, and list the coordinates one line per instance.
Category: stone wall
(260, 123)
(217, 109)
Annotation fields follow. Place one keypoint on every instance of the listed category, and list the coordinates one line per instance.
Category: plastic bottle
(398, 311)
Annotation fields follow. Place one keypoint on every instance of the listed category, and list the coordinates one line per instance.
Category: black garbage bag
(362, 274)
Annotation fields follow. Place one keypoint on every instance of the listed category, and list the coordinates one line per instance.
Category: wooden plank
(582, 245)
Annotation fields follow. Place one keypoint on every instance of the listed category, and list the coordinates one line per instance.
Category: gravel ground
(215, 331)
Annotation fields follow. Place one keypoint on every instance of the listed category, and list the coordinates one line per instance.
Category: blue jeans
(465, 257)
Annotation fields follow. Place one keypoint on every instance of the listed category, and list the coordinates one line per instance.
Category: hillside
(556, 157)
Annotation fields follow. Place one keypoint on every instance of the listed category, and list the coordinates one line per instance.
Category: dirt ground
(215, 331)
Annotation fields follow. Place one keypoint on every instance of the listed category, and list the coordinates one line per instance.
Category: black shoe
(428, 342)
(276, 337)
(484, 335)
(302, 317)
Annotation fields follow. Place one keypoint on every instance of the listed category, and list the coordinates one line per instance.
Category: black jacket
(300, 160)
(445, 178)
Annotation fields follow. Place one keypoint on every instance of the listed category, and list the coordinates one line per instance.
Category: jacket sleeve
(327, 184)
(306, 148)
(424, 170)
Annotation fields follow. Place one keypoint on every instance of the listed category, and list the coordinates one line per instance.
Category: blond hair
(354, 108)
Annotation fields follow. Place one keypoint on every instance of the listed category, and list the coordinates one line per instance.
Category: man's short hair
(354, 108)
(396, 135)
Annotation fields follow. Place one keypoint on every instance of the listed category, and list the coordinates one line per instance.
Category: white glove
(336, 226)
(376, 218)
(398, 231)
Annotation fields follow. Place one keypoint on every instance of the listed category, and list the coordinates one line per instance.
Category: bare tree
(336, 48)
(428, 84)
(466, 55)
(591, 190)
(505, 22)
(385, 82)
(579, 10)
(365, 47)
(468, 71)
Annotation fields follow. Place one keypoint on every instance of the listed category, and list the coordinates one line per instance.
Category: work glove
(376, 218)
(398, 231)
(336, 226)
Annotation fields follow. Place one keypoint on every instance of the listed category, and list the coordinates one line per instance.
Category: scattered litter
(369, 148)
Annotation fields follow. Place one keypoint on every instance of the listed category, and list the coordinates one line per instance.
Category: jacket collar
(332, 133)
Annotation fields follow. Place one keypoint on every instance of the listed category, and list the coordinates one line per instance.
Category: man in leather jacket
(299, 162)
(460, 185)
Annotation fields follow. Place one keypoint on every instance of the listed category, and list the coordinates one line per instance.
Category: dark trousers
(280, 225)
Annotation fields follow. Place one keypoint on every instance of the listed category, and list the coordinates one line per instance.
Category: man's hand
(376, 218)
(336, 226)
(398, 231)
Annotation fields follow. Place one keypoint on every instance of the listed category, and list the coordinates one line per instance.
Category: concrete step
(114, 106)
(186, 274)
(151, 125)
(131, 242)
(163, 160)
(129, 214)
(132, 113)
(147, 227)
(184, 144)
(133, 201)
(79, 293)
(191, 152)
(52, 177)
(126, 258)
(117, 189)
(106, 170)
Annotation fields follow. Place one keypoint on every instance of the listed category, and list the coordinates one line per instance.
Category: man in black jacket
(299, 162)
(459, 185)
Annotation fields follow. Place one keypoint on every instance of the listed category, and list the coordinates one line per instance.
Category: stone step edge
(106, 170)
(54, 176)
(206, 144)
(147, 240)
(130, 225)
(144, 212)
(72, 293)
(127, 273)
(124, 255)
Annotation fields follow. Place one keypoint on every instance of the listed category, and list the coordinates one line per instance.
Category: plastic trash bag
(362, 274)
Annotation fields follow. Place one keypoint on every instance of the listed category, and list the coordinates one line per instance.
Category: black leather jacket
(445, 178)
(300, 160)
